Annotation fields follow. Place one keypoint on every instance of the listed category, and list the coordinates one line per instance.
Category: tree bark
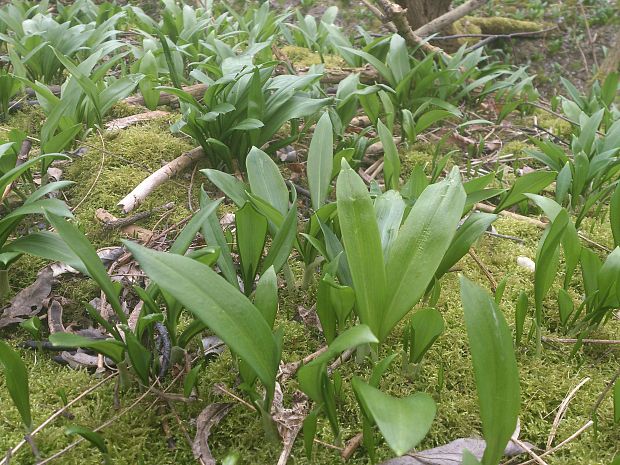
(421, 12)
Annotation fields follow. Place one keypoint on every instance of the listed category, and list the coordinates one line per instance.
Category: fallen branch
(163, 174)
(122, 123)
(397, 15)
(492, 37)
(448, 18)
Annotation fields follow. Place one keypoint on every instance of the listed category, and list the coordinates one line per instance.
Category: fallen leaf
(54, 318)
(122, 123)
(207, 419)
(452, 453)
(288, 421)
(29, 301)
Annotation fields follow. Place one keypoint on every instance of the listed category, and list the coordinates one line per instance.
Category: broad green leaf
(362, 245)
(403, 422)
(495, 369)
(266, 295)
(47, 245)
(16, 382)
(333, 305)
(229, 185)
(520, 314)
(190, 380)
(565, 306)
(320, 160)
(420, 246)
(91, 436)
(266, 180)
(214, 236)
(251, 235)
(109, 347)
(80, 246)
(188, 234)
(469, 232)
(426, 326)
(547, 261)
(389, 210)
(282, 243)
(217, 304)
(531, 183)
(310, 375)
(139, 355)
(614, 215)
(391, 165)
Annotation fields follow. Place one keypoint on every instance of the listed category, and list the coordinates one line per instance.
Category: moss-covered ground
(115, 162)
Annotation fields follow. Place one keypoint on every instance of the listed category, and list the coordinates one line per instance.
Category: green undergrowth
(137, 437)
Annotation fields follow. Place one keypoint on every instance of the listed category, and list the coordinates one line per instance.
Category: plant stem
(5, 286)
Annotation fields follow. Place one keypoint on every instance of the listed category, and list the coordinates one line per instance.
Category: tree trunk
(421, 12)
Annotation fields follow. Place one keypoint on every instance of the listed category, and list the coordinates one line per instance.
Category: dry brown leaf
(207, 419)
(29, 301)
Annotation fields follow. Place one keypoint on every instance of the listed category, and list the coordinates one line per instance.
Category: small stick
(601, 397)
(585, 341)
(351, 446)
(504, 236)
(121, 222)
(563, 443)
(484, 269)
(527, 449)
(562, 410)
(55, 415)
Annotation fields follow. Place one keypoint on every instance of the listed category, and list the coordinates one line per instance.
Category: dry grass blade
(562, 411)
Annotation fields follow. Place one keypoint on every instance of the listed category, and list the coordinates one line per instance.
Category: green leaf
(266, 295)
(426, 326)
(333, 305)
(389, 210)
(91, 436)
(320, 160)
(47, 245)
(266, 181)
(217, 304)
(190, 380)
(547, 261)
(16, 381)
(520, 314)
(362, 244)
(229, 185)
(109, 347)
(251, 235)
(529, 183)
(139, 355)
(565, 306)
(77, 242)
(391, 166)
(403, 422)
(469, 232)
(420, 246)
(282, 243)
(614, 215)
(495, 368)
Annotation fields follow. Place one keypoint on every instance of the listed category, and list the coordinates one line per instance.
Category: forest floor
(154, 431)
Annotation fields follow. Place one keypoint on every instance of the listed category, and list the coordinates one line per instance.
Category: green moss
(29, 119)
(500, 25)
(104, 177)
(419, 153)
(553, 124)
(302, 57)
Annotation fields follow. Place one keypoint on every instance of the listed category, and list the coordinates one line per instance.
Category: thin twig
(55, 415)
(562, 411)
(584, 341)
(562, 444)
(484, 269)
(529, 450)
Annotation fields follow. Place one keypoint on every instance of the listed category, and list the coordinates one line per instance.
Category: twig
(55, 415)
(585, 341)
(562, 410)
(122, 222)
(142, 190)
(563, 443)
(493, 37)
(398, 16)
(351, 446)
(377, 12)
(528, 449)
(601, 397)
(504, 236)
(484, 269)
